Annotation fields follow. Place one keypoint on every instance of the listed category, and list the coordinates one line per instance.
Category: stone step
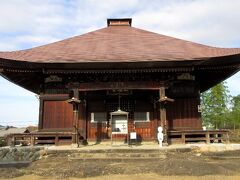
(119, 159)
(117, 155)
(124, 151)
(16, 164)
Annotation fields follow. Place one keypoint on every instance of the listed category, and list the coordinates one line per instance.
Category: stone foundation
(10, 154)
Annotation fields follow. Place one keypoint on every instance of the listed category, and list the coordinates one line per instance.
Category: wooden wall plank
(183, 114)
(57, 114)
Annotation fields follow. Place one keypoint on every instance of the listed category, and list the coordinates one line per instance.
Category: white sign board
(133, 135)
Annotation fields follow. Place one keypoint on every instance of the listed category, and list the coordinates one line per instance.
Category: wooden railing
(65, 138)
(37, 138)
(208, 136)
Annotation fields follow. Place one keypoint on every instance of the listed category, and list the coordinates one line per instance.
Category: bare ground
(170, 165)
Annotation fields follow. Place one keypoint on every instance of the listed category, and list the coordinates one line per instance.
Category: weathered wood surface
(183, 114)
(208, 136)
(136, 85)
(57, 138)
(57, 114)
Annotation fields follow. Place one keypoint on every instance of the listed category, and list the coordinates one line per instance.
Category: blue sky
(30, 23)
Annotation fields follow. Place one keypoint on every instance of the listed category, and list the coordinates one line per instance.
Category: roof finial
(119, 22)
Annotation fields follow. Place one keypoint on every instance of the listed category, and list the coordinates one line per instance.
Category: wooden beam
(57, 97)
(138, 85)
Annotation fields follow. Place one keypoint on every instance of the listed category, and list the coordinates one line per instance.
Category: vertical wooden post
(32, 140)
(163, 114)
(82, 121)
(155, 120)
(75, 123)
(75, 104)
(76, 114)
(56, 140)
(183, 138)
(207, 138)
(41, 106)
(74, 139)
(162, 108)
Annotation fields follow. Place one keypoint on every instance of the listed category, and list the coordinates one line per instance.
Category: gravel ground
(166, 165)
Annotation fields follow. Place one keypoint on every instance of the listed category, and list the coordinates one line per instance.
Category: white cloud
(212, 22)
(25, 15)
(25, 41)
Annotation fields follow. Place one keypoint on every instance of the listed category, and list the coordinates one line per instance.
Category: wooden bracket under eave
(165, 100)
(74, 100)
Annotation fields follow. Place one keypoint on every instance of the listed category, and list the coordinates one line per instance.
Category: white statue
(160, 136)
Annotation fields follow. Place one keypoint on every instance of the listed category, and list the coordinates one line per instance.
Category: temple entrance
(119, 127)
(119, 124)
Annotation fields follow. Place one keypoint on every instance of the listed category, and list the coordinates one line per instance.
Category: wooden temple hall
(119, 84)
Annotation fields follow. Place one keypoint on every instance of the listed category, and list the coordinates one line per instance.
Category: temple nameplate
(53, 79)
(119, 85)
(186, 76)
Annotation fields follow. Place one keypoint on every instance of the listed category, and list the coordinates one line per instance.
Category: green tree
(235, 112)
(214, 106)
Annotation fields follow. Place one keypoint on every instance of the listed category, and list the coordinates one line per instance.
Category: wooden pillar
(82, 121)
(32, 140)
(56, 140)
(75, 123)
(76, 114)
(163, 116)
(75, 102)
(155, 120)
(207, 137)
(183, 136)
(40, 120)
